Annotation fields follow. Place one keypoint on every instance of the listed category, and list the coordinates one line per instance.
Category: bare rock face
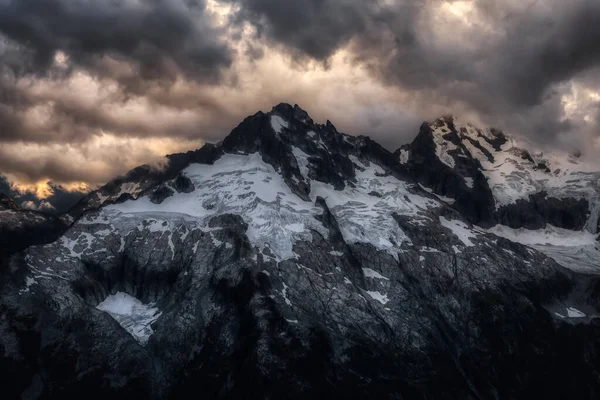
(294, 261)
(161, 194)
(183, 184)
(6, 203)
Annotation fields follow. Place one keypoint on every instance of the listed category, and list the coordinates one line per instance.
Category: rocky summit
(293, 261)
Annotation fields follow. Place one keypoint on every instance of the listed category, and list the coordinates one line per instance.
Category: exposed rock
(161, 194)
(7, 203)
(540, 210)
(20, 229)
(183, 184)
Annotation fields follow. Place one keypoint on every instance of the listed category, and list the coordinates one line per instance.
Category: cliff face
(294, 261)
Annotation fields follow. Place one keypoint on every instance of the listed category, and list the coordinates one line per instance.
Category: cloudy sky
(92, 88)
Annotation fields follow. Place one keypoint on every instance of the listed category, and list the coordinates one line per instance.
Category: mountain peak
(289, 112)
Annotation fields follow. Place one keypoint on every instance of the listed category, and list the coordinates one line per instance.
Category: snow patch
(278, 123)
(460, 229)
(302, 161)
(134, 316)
(284, 294)
(370, 273)
(571, 313)
(404, 156)
(447, 200)
(382, 298)
(443, 146)
(574, 313)
(550, 235)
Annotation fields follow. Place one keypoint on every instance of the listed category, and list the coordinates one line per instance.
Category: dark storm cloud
(513, 71)
(105, 81)
(315, 28)
(541, 50)
(142, 45)
(159, 37)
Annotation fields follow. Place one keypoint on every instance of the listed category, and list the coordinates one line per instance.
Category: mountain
(57, 200)
(534, 199)
(294, 261)
(20, 228)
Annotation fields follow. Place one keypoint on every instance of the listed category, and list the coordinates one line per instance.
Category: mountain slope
(538, 199)
(484, 171)
(294, 261)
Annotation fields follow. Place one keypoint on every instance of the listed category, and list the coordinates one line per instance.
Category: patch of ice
(29, 281)
(278, 123)
(574, 313)
(382, 298)
(302, 160)
(443, 147)
(284, 294)
(404, 156)
(134, 316)
(368, 219)
(550, 235)
(460, 229)
(445, 199)
(426, 249)
(370, 273)
(425, 188)
(171, 245)
(296, 227)
(215, 241)
(71, 245)
(336, 253)
(469, 182)
(575, 250)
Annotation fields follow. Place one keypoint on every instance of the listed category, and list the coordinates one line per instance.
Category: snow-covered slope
(494, 181)
(514, 173)
(247, 186)
(511, 172)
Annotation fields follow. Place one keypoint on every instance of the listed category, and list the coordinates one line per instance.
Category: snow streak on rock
(134, 316)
